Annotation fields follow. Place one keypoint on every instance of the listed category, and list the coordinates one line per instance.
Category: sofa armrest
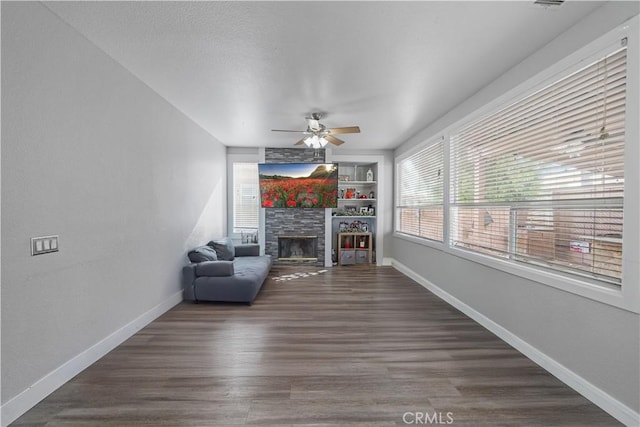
(188, 276)
(214, 268)
(250, 249)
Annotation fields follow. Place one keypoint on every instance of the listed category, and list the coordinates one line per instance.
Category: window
(542, 181)
(245, 197)
(420, 193)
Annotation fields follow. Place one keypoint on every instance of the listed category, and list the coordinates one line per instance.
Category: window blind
(245, 196)
(542, 180)
(420, 193)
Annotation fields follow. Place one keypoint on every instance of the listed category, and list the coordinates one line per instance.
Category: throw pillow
(224, 248)
(203, 253)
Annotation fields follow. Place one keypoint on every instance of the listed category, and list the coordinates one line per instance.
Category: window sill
(603, 293)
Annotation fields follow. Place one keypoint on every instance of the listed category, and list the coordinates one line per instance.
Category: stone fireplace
(294, 222)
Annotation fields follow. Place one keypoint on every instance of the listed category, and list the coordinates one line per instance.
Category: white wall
(128, 183)
(595, 341)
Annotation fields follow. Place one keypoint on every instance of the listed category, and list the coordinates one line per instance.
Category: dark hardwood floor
(350, 346)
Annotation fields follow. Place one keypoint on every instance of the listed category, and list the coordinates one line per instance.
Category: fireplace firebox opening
(298, 248)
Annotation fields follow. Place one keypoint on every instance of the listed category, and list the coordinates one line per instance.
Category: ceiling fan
(319, 134)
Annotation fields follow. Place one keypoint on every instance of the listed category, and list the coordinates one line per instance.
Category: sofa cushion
(224, 248)
(215, 269)
(249, 249)
(203, 253)
(252, 268)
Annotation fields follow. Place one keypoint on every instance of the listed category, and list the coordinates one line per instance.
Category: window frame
(625, 296)
(489, 144)
(445, 194)
(232, 158)
(240, 230)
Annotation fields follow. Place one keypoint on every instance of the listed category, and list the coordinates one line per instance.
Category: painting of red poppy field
(298, 185)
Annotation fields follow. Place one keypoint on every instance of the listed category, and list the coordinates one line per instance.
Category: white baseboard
(612, 406)
(27, 399)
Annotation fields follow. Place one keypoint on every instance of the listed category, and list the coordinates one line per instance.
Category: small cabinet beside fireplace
(355, 248)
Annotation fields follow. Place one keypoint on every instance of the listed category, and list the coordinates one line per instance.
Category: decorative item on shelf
(352, 227)
(350, 209)
(365, 211)
(364, 226)
(363, 196)
(343, 178)
(369, 175)
(372, 195)
(341, 193)
(248, 237)
(357, 195)
(346, 242)
(372, 211)
(362, 241)
(349, 194)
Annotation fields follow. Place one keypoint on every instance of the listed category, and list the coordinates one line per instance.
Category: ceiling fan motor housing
(314, 122)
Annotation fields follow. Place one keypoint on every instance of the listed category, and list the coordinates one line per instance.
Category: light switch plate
(44, 245)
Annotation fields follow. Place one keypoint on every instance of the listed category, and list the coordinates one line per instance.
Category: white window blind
(420, 200)
(245, 197)
(542, 181)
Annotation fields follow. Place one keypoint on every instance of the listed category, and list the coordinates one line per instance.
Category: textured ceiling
(239, 69)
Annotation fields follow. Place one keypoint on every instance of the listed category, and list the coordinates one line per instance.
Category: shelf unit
(356, 211)
(355, 248)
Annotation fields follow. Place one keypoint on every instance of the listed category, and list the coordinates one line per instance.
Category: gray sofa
(235, 276)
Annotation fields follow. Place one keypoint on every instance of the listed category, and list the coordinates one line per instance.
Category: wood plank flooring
(351, 346)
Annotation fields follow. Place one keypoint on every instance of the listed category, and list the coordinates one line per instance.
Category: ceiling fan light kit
(315, 142)
(320, 134)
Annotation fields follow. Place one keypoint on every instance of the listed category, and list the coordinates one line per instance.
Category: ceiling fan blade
(287, 130)
(300, 142)
(350, 129)
(334, 140)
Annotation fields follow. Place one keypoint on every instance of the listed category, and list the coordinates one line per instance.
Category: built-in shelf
(353, 182)
(348, 183)
(355, 247)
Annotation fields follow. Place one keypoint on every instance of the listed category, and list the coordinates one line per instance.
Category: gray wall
(594, 340)
(129, 184)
